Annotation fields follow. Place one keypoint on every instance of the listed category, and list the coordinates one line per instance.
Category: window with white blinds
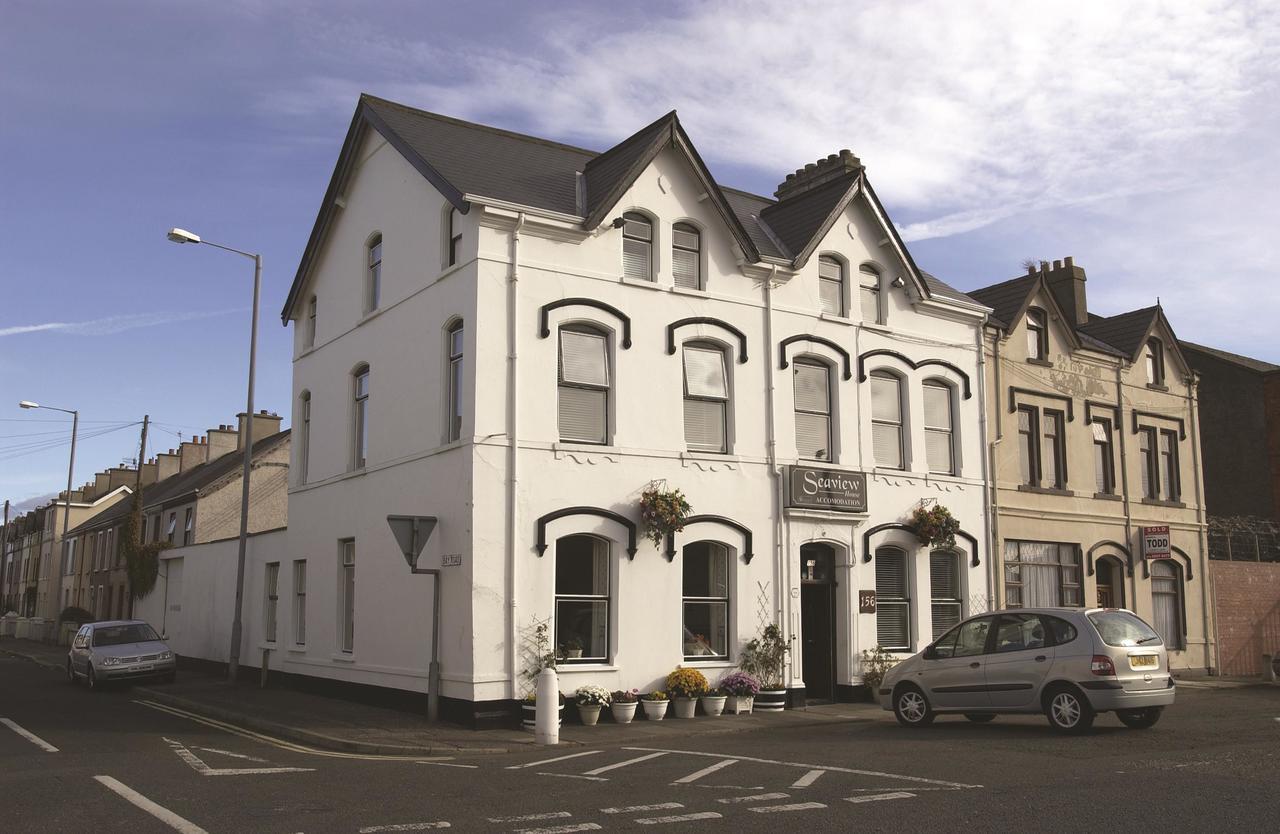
(938, 435)
(686, 259)
(584, 386)
(893, 600)
(706, 398)
(812, 391)
(869, 295)
(637, 247)
(944, 590)
(1166, 601)
(886, 420)
(831, 285)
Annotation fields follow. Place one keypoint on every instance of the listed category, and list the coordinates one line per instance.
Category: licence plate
(1144, 661)
(146, 668)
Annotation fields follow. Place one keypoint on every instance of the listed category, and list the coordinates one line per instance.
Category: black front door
(818, 621)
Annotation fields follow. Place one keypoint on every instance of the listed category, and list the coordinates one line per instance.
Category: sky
(1137, 137)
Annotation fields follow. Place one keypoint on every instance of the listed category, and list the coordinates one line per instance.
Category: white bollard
(548, 718)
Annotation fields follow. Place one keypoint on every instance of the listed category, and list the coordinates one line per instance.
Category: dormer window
(1037, 335)
(1154, 359)
(637, 247)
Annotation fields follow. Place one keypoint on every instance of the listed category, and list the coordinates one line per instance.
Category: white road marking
(876, 797)
(550, 815)
(556, 759)
(161, 813)
(229, 753)
(617, 765)
(702, 815)
(199, 766)
(572, 776)
(758, 797)
(706, 771)
(561, 829)
(777, 809)
(29, 736)
(635, 809)
(731, 787)
(807, 779)
(831, 768)
(450, 764)
(405, 826)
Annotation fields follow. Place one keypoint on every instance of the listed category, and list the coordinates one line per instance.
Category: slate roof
(1005, 299)
(1124, 331)
(1257, 365)
(797, 220)
(612, 171)
(941, 289)
(183, 483)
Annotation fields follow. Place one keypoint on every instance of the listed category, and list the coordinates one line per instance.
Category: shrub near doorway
(764, 658)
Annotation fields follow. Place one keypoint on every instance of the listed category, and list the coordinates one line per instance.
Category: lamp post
(75, 425)
(183, 236)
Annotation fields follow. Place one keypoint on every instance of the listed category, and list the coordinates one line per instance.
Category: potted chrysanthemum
(685, 686)
(655, 705)
(623, 705)
(742, 689)
(591, 699)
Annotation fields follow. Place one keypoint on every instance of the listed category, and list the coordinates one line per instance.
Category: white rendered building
(517, 337)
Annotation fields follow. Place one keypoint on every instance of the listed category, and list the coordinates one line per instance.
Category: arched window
(452, 235)
(584, 385)
(706, 398)
(304, 436)
(1166, 601)
(831, 285)
(360, 414)
(309, 337)
(1154, 358)
(944, 590)
(686, 258)
(637, 247)
(373, 278)
(886, 420)
(893, 599)
(706, 600)
(455, 381)
(939, 441)
(869, 294)
(811, 386)
(582, 598)
(1037, 335)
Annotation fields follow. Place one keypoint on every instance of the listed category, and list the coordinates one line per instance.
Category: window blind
(583, 414)
(813, 436)
(886, 402)
(830, 293)
(704, 373)
(893, 606)
(811, 387)
(937, 427)
(583, 358)
(684, 268)
(886, 441)
(704, 425)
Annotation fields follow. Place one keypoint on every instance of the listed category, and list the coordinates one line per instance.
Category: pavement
(338, 725)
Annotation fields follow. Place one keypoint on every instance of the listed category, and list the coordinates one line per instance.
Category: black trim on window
(915, 366)
(803, 337)
(675, 325)
(1182, 427)
(1013, 403)
(544, 330)
(1090, 561)
(596, 511)
(867, 553)
(747, 555)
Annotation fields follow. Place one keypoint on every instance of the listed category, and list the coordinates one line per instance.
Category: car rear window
(1120, 628)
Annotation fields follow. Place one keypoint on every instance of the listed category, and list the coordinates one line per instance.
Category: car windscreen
(1120, 628)
(121, 634)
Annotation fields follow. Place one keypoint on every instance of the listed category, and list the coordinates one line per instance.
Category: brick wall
(1247, 595)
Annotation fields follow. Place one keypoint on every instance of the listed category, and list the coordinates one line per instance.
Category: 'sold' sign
(810, 488)
(1155, 542)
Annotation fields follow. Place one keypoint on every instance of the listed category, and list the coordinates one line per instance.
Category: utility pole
(137, 490)
(4, 549)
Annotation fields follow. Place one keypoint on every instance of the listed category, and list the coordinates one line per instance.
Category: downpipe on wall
(513, 454)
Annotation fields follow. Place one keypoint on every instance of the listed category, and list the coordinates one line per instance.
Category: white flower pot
(655, 710)
(738, 704)
(685, 707)
(589, 713)
(713, 705)
(623, 712)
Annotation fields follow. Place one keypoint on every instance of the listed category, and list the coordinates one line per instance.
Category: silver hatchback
(1067, 663)
(119, 650)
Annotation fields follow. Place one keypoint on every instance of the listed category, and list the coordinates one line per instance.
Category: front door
(818, 621)
(1110, 584)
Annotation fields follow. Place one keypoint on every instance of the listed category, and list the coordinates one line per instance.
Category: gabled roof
(1256, 365)
(1126, 331)
(1006, 299)
(797, 222)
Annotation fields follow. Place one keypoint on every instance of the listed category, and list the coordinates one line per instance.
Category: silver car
(119, 650)
(1067, 663)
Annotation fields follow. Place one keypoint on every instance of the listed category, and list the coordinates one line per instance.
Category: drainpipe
(996, 554)
(988, 516)
(1124, 486)
(1202, 533)
(513, 453)
(771, 431)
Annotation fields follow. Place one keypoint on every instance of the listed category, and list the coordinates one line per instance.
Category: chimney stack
(192, 453)
(818, 173)
(1067, 283)
(167, 464)
(265, 424)
(222, 440)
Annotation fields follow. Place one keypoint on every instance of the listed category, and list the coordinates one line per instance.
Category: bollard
(547, 730)
(266, 664)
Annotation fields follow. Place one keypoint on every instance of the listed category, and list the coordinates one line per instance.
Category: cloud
(110, 325)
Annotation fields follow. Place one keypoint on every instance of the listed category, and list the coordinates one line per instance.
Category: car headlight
(166, 655)
(111, 661)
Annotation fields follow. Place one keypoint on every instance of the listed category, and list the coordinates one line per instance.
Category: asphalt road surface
(75, 761)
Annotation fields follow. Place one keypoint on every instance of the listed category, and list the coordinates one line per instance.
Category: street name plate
(451, 560)
(811, 488)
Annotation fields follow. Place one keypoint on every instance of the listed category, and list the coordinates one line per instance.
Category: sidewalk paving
(345, 726)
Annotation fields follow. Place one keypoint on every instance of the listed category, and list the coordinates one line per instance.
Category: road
(75, 761)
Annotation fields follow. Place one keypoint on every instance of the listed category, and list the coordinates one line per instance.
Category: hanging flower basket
(934, 526)
(662, 511)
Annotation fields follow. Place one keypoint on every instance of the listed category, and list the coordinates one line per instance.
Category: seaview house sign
(811, 488)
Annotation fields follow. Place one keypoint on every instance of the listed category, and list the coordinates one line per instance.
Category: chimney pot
(1031, 269)
(1057, 265)
(1044, 266)
(1069, 261)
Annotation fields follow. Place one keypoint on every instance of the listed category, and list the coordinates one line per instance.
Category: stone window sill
(1156, 502)
(1107, 496)
(1045, 490)
(1044, 363)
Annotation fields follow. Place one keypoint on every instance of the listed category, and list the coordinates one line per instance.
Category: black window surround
(724, 325)
(747, 555)
(544, 329)
(542, 523)
(1090, 560)
(806, 337)
(915, 366)
(1150, 415)
(1029, 392)
(868, 554)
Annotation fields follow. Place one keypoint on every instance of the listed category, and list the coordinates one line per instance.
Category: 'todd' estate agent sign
(810, 488)
(1155, 542)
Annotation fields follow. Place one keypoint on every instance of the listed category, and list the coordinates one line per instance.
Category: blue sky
(1137, 137)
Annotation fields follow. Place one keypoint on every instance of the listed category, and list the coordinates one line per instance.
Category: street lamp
(183, 236)
(75, 425)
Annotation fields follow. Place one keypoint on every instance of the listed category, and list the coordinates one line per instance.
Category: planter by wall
(655, 710)
(529, 716)
(770, 700)
(623, 712)
(589, 713)
(738, 704)
(685, 707)
(713, 705)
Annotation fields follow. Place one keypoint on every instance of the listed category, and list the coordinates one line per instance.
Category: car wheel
(911, 708)
(71, 673)
(980, 717)
(92, 679)
(1068, 711)
(1139, 719)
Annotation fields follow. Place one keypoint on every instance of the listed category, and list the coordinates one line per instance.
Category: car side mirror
(930, 653)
